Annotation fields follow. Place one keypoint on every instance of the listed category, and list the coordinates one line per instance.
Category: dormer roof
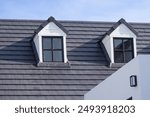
(50, 19)
(121, 21)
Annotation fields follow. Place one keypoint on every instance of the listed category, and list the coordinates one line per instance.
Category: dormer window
(123, 50)
(49, 42)
(52, 49)
(120, 43)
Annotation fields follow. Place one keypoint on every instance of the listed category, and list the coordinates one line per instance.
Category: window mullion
(124, 56)
(123, 50)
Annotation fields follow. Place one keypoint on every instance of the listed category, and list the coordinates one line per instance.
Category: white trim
(40, 49)
(65, 49)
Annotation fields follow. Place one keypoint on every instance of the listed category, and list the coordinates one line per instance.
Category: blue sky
(95, 10)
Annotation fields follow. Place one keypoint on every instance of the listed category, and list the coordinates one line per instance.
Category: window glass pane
(128, 56)
(118, 57)
(118, 44)
(57, 43)
(123, 50)
(127, 44)
(57, 56)
(46, 43)
(47, 56)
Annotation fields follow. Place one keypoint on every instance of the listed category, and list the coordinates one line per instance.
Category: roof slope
(20, 78)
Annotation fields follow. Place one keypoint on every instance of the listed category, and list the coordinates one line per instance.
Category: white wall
(108, 46)
(50, 29)
(117, 86)
(121, 31)
(145, 76)
(37, 42)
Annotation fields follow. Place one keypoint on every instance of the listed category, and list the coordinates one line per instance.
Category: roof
(20, 78)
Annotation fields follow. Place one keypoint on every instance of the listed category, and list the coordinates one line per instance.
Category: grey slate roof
(20, 78)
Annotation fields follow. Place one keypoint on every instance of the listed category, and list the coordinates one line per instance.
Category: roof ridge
(20, 20)
(70, 21)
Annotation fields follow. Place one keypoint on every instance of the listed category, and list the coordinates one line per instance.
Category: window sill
(54, 64)
(117, 65)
